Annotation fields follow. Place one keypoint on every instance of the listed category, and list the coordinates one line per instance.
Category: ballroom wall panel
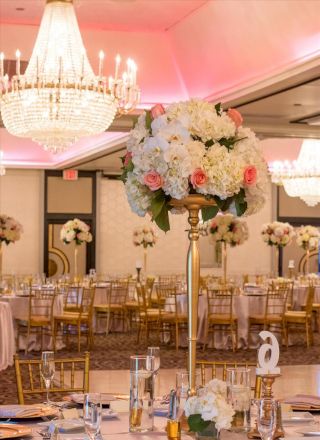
(21, 196)
(117, 254)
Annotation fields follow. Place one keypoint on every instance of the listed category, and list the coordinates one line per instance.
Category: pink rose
(127, 158)
(157, 110)
(250, 175)
(235, 116)
(198, 178)
(153, 180)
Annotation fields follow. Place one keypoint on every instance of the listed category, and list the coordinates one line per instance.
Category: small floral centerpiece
(144, 236)
(193, 147)
(209, 410)
(229, 229)
(75, 230)
(10, 229)
(308, 237)
(277, 234)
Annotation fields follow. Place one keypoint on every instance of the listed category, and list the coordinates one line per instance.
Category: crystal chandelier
(301, 178)
(59, 99)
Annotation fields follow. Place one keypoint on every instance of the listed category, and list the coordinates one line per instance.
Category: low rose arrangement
(228, 229)
(209, 406)
(308, 237)
(193, 147)
(75, 230)
(144, 236)
(10, 229)
(277, 234)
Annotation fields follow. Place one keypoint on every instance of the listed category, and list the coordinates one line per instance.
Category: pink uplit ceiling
(281, 149)
(183, 48)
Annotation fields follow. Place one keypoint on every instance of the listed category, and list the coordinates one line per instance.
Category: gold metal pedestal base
(193, 203)
(267, 383)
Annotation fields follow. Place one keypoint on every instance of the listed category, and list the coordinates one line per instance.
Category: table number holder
(268, 371)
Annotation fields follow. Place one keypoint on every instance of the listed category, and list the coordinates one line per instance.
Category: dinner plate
(297, 417)
(30, 413)
(14, 431)
(310, 434)
(105, 398)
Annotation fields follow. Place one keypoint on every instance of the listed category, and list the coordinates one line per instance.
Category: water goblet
(238, 395)
(267, 418)
(92, 409)
(47, 370)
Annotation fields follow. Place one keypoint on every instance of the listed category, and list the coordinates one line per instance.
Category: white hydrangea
(229, 229)
(144, 236)
(139, 196)
(75, 230)
(10, 229)
(277, 233)
(308, 237)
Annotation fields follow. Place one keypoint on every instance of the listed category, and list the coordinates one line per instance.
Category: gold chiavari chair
(40, 316)
(82, 319)
(285, 284)
(301, 319)
(132, 305)
(115, 307)
(171, 317)
(218, 369)
(275, 308)
(72, 298)
(148, 318)
(30, 383)
(220, 314)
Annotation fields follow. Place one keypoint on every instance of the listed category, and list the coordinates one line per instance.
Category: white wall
(118, 254)
(21, 197)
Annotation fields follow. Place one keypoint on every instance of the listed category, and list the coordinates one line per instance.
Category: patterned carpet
(112, 352)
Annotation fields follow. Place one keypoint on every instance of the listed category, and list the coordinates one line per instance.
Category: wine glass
(155, 352)
(267, 418)
(92, 409)
(47, 370)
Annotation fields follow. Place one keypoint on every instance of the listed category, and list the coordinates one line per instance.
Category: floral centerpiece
(10, 229)
(308, 237)
(78, 232)
(75, 230)
(277, 234)
(144, 236)
(193, 147)
(229, 229)
(209, 410)
(10, 232)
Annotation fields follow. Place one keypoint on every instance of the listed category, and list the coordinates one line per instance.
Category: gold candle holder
(193, 203)
(135, 417)
(173, 430)
(267, 383)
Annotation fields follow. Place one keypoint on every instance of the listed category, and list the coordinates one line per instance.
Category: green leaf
(218, 108)
(162, 219)
(230, 142)
(208, 212)
(240, 203)
(157, 203)
(223, 204)
(148, 120)
(196, 423)
(209, 143)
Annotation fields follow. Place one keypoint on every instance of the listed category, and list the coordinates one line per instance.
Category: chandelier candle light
(59, 99)
(301, 178)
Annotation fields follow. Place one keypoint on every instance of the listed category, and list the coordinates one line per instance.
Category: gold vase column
(308, 263)
(76, 250)
(193, 204)
(145, 260)
(0, 258)
(225, 257)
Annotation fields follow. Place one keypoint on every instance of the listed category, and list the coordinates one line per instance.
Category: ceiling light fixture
(59, 99)
(301, 178)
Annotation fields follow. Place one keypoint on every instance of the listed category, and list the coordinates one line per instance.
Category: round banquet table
(19, 306)
(7, 340)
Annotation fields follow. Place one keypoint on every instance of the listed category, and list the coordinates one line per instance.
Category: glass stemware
(92, 409)
(267, 418)
(155, 352)
(47, 370)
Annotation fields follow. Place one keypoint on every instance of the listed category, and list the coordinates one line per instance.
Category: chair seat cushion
(261, 319)
(71, 316)
(132, 304)
(40, 320)
(217, 318)
(293, 316)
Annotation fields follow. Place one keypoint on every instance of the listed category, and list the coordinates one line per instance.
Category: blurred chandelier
(59, 99)
(301, 178)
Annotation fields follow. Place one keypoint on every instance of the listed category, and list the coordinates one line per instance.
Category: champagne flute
(92, 409)
(47, 370)
(267, 418)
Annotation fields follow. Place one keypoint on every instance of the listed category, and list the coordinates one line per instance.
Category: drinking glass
(92, 414)
(141, 393)
(47, 370)
(182, 386)
(155, 352)
(238, 395)
(267, 418)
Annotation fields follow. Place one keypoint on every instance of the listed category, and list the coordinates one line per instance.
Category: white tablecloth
(7, 340)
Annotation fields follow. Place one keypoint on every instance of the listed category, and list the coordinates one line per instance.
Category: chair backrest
(218, 369)
(87, 300)
(220, 301)
(41, 303)
(310, 299)
(118, 292)
(29, 380)
(72, 297)
(276, 303)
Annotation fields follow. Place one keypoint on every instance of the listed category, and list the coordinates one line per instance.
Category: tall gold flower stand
(193, 203)
(0, 258)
